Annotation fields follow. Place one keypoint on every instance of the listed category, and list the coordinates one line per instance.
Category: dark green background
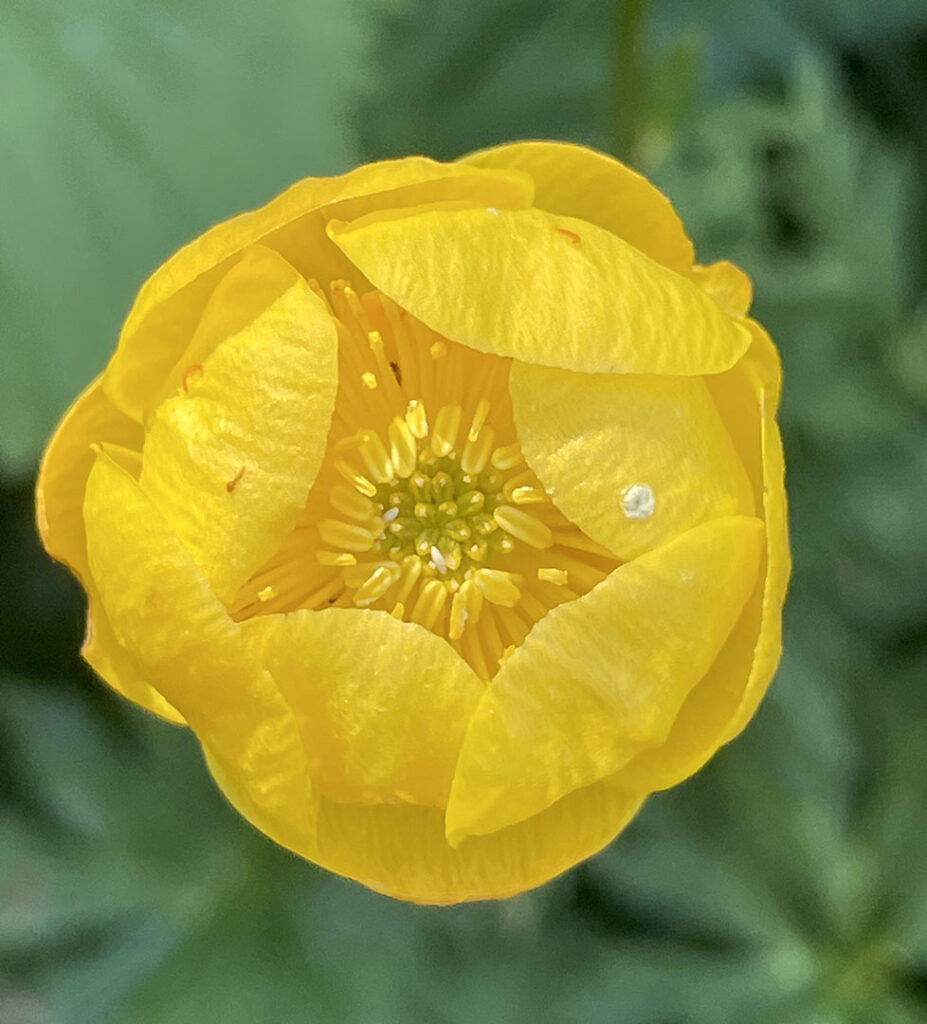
(785, 883)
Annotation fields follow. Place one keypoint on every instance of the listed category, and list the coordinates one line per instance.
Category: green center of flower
(444, 506)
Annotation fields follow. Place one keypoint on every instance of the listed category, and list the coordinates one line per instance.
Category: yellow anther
(267, 594)
(498, 587)
(369, 379)
(430, 604)
(399, 610)
(507, 457)
(402, 448)
(523, 526)
(346, 535)
(438, 350)
(447, 425)
(528, 495)
(411, 567)
(479, 418)
(352, 503)
(417, 419)
(556, 576)
(524, 479)
(476, 453)
(335, 558)
(360, 482)
(376, 458)
(442, 486)
(377, 584)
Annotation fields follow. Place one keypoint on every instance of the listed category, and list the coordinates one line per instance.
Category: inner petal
(424, 505)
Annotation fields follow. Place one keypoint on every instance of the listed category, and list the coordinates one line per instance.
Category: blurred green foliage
(785, 883)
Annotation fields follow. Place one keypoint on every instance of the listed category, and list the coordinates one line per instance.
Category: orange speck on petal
(194, 368)
(233, 483)
(573, 237)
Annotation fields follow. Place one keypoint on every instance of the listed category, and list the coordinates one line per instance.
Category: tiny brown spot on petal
(233, 483)
(573, 237)
(195, 368)
(397, 372)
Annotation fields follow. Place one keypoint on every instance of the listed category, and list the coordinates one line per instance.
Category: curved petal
(543, 289)
(728, 285)
(382, 704)
(602, 677)
(229, 460)
(59, 492)
(602, 444)
(575, 181)
(59, 499)
(401, 850)
(722, 703)
(169, 304)
(162, 609)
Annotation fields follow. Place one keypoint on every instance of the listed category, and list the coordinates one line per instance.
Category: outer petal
(59, 514)
(595, 441)
(728, 285)
(382, 704)
(574, 181)
(602, 677)
(543, 289)
(162, 609)
(722, 703)
(169, 305)
(229, 461)
(401, 850)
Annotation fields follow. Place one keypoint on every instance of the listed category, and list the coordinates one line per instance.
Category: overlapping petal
(575, 181)
(229, 459)
(161, 608)
(543, 289)
(382, 709)
(170, 303)
(602, 677)
(598, 441)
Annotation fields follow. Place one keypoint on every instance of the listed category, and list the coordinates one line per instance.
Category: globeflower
(444, 503)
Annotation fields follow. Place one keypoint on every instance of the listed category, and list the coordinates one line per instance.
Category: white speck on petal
(390, 514)
(492, 210)
(438, 560)
(637, 501)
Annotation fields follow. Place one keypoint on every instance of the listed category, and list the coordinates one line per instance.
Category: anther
(346, 535)
(479, 418)
(523, 526)
(556, 576)
(377, 584)
(417, 419)
(447, 425)
(402, 448)
(476, 453)
(369, 379)
(507, 457)
(342, 558)
(498, 587)
(438, 350)
(430, 604)
(267, 594)
(352, 503)
(360, 482)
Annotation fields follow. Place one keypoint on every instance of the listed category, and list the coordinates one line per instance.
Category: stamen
(447, 424)
(430, 604)
(479, 418)
(523, 526)
(556, 576)
(507, 457)
(403, 449)
(376, 458)
(342, 558)
(346, 535)
(352, 503)
(369, 379)
(360, 482)
(438, 350)
(377, 584)
(476, 453)
(498, 587)
(267, 594)
(416, 419)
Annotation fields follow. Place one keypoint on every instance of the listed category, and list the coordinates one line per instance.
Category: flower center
(424, 506)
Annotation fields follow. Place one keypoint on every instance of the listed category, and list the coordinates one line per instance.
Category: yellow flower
(444, 502)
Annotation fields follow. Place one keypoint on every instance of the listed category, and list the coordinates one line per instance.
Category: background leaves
(785, 883)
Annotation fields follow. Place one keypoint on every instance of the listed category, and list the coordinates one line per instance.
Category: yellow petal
(544, 289)
(632, 460)
(229, 461)
(722, 703)
(401, 850)
(63, 473)
(163, 611)
(169, 304)
(382, 704)
(59, 513)
(115, 665)
(728, 285)
(575, 181)
(602, 677)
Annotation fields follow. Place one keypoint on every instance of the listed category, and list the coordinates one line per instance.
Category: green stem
(628, 77)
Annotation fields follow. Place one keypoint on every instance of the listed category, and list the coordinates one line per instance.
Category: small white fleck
(687, 576)
(438, 560)
(390, 514)
(637, 501)
(492, 210)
